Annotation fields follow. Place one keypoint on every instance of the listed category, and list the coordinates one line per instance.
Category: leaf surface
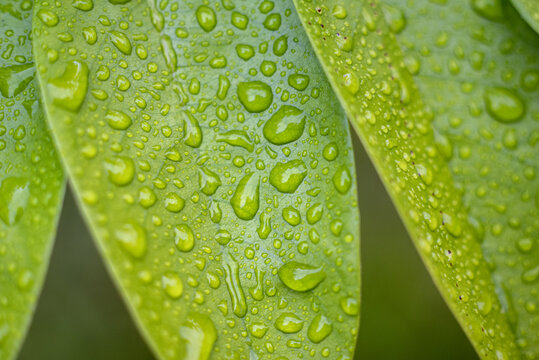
(356, 45)
(214, 165)
(31, 180)
(481, 81)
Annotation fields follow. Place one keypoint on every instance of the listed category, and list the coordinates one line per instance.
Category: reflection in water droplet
(289, 323)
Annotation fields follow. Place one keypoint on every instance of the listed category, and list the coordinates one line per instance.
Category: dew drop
(289, 323)
(342, 180)
(504, 105)
(319, 329)
(299, 81)
(206, 18)
(245, 200)
(132, 238)
(121, 41)
(287, 177)
(198, 335)
(120, 169)
(14, 194)
(285, 125)
(69, 90)
(301, 277)
(184, 238)
(172, 285)
(255, 96)
(118, 120)
(209, 181)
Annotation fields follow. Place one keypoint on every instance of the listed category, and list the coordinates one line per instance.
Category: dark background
(81, 316)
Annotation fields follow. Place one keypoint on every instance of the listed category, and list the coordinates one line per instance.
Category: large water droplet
(184, 237)
(132, 238)
(301, 277)
(235, 290)
(504, 105)
(14, 194)
(287, 177)
(206, 18)
(245, 200)
(255, 96)
(209, 181)
(342, 180)
(289, 323)
(69, 90)
(120, 169)
(198, 335)
(286, 125)
(118, 120)
(319, 329)
(172, 285)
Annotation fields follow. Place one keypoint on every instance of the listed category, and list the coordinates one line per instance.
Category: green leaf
(214, 165)
(481, 81)
(529, 10)
(31, 180)
(448, 207)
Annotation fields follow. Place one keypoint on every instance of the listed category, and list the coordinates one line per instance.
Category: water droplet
(172, 285)
(235, 290)
(237, 138)
(342, 180)
(239, 20)
(298, 81)
(351, 83)
(174, 203)
(84, 5)
(314, 214)
(264, 228)
(285, 125)
(120, 169)
(132, 238)
(48, 18)
(184, 237)
(350, 306)
(209, 181)
(118, 120)
(198, 335)
(331, 151)
(245, 200)
(223, 237)
(14, 194)
(504, 105)
(191, 129)
(289, 323)
(258, 330)
(394, 18)
(301, 277)
(273, 22)
(291, 216)
(206, 18)
(121, 41)
(319, 329)
(147, 197)
(255, 96)
(489, 9)
(525, 245)
(69, 90)
(280, 46)
(287, 177)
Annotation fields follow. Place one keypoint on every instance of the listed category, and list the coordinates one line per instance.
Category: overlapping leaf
(365, 65)
(214, 165)
(481, 81)
(31, 179)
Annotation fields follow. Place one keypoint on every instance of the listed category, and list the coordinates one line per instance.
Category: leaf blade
(365, 66)
(31, 181)
(191, 236)
(529, 11)
(492, 146)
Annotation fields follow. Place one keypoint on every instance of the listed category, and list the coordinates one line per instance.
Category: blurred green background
(81, 316)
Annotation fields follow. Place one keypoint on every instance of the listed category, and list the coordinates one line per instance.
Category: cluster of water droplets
(215, 164)
(30, 178)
